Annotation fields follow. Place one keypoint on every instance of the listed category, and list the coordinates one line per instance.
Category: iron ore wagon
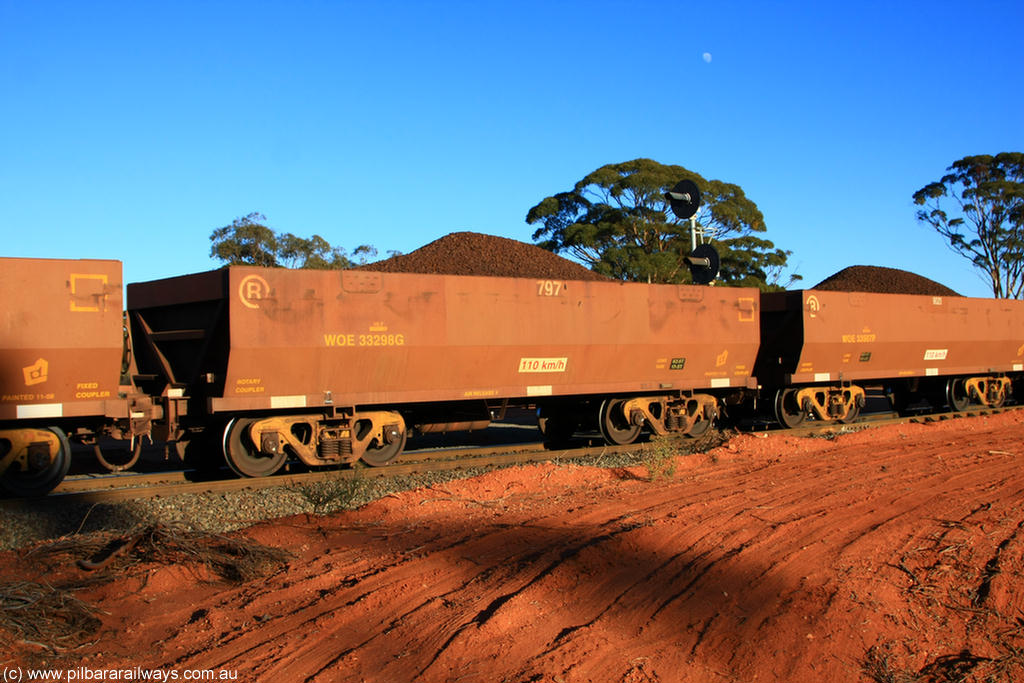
(333, 366)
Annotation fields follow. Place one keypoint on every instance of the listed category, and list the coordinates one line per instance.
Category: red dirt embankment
(892, 554)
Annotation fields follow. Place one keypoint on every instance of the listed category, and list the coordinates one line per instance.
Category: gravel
(29, 522)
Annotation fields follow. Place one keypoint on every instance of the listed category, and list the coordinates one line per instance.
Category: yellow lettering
(339, 340)
(343, 339)
(92, 394)
(480, 393)
(249, 385)
(549, 287)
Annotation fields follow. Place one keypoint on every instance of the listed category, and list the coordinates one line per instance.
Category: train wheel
(787, 411)
(242, 455)
(378, 455)
(852, 415)
(615, 426)
(699, 429)
(956, 394)
(1000, 399)
(708, 414)
(38, 481)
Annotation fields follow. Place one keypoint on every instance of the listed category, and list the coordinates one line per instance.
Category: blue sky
(132, 130)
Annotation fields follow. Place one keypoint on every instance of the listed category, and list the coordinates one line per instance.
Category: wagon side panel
(301, 338)
(860, 336)
(61, 337)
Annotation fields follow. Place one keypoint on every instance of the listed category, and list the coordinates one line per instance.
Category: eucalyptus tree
(978, 206)
(617, 220)
(248, 241)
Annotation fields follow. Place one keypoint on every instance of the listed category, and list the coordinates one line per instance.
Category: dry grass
(53, 618)
(232, 559)
(338, 493)
(42, 615)
(660, 458)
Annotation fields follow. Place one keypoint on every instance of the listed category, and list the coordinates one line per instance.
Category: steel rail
(524, 454)
(91, 489)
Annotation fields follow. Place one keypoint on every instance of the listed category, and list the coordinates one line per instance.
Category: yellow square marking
(77, 282)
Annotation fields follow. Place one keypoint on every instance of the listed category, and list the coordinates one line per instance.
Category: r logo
(36, 373)
(813, 306)
(252, 290)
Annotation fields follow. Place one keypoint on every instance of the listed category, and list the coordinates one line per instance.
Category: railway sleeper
(689, 414)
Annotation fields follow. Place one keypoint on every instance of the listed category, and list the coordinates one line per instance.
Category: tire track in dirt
(313, 617)
(771, 559)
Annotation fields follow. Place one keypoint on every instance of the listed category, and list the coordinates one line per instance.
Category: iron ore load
(257, 366)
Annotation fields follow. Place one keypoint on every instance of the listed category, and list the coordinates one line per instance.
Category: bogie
(842, 403)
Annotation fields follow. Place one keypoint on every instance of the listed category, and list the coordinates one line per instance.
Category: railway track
(108, 488)
(117, 487)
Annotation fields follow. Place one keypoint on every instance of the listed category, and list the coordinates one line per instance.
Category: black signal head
(684, 199)
(704, 264)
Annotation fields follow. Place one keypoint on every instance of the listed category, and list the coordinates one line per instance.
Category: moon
(706, 57)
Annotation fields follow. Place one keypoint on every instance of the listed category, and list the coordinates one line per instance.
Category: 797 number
(549, 287)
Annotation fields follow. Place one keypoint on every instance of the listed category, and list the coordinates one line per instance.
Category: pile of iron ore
(882, 281)
(471, 253)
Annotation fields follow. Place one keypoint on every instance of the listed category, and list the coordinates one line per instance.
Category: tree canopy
(248, 241)
(986, 222)
(617, 221)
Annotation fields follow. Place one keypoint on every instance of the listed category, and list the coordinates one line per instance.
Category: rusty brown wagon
(62, 355)
(333, 366)
(820, 348)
